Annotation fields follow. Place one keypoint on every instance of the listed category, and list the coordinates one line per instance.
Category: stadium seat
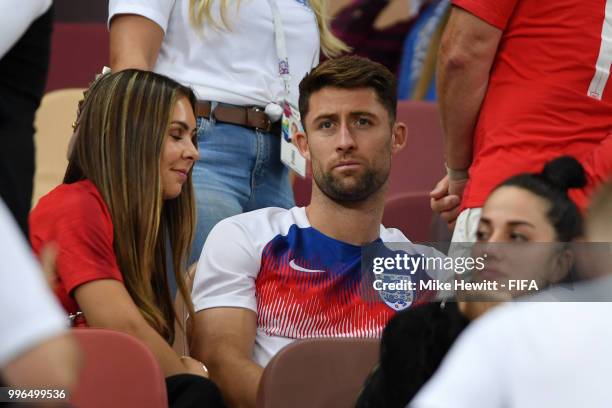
(410, 213)
(54, 119)
(302, 188)
(118, 372)
(317, 373)
(420, 165)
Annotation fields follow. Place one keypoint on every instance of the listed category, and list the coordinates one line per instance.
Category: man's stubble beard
(369, 183)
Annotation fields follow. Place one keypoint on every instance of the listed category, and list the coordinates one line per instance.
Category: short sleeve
(227, 269)
(84, 237)
(15, 18)
(497, 13)
(157, 11)
(29, 313)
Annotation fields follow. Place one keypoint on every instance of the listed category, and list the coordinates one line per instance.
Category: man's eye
(325, 125)
(363, 121)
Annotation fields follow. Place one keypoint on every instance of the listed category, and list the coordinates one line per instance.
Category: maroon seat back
(420, 165)
(411, 214)
(318, 373)
(118, 371)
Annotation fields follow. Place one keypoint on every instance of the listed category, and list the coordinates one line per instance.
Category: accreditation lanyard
(281, 49)
(290, 119)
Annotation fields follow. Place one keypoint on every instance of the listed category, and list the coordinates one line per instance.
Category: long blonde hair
(200, 13)
(120, 132)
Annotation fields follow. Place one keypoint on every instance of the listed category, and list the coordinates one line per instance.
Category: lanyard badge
(290, 125)
(290, 119)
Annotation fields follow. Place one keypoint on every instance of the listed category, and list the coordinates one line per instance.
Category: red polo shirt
(76, 219)
(537, 105)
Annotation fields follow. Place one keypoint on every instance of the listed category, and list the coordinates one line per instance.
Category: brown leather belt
(247, 116)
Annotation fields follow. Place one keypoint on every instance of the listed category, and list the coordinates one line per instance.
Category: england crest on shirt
(399, 298)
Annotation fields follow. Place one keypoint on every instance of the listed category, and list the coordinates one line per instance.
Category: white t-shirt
(29, 313)
(237, 65)
(300, 282)
(544, 354)
(15, 18)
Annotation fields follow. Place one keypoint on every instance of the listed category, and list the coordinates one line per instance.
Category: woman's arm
(106, 303)
(134, 42)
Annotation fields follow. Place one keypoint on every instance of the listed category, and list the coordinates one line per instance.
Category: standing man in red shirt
(521, 82)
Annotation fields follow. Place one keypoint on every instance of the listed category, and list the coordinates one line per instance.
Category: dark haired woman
(527, 208)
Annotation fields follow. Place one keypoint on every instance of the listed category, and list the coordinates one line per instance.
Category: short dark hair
(350, 72)
(552, 184)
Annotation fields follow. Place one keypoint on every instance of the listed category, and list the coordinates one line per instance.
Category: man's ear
(399, 137)
(301, 141)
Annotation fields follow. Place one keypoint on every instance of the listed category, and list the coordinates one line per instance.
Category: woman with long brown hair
(126, 204)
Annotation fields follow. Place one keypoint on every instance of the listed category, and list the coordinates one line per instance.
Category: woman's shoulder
(73, 195)
(80, 199)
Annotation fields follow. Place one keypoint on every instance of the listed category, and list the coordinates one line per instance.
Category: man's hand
(456, 187)
(194, 366)
(445, 199)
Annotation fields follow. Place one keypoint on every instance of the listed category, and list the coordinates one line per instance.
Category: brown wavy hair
(120, 132)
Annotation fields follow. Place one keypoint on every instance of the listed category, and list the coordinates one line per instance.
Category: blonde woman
(126, 196)
(226, 51)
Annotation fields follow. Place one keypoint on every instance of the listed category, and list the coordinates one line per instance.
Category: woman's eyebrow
(517, 223)
(180, 123)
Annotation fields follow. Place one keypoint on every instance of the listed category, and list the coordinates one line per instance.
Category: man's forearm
(238, 378)
(466, 55)
(462, 87)
(223, 339)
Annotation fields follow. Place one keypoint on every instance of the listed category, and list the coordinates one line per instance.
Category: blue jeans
(239, 170)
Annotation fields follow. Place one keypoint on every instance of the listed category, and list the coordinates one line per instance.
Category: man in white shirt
(538, 353)
(36, 349)
(271, 276)
(25, 47)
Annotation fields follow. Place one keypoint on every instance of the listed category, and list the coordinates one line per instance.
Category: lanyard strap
(281, 48)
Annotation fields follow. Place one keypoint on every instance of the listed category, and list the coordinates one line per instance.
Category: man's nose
(346, 139)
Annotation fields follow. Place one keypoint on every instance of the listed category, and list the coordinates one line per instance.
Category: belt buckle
(268, 122)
